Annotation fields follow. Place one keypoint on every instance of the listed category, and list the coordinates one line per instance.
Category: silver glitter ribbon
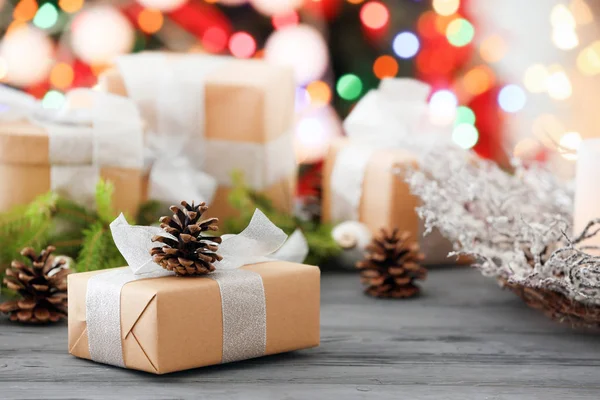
(242, 292)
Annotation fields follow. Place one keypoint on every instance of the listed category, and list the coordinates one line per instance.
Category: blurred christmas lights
(374, 15)
(446, 7)
(349, 87)
(460, 32)
(512, 98)
(493, 48)
(25, 10)
(535, 78)
(478, 80)
(319, 93)
(303, 48)
(214, 39)
(286, 19)
(464, 115)
(62, 75)
(588, 60)
(406, 45)
(569, 144)
(442, 107)
(100, 33)
(465, 135)
(53, 99)
(242, 45)
(150, 20)
(46, 16)
(28, 54)
(385, 66)
(274, 7)
(558, 84)
(70, 6)
(163, 5)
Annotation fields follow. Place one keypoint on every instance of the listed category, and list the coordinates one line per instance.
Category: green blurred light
(46, 16)
(460, 32)
(464, 115)
(349, 87)
(53, 99)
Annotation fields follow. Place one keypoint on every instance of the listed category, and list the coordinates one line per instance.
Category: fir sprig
(245, 200)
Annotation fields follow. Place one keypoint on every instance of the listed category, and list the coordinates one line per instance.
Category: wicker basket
(557, 306)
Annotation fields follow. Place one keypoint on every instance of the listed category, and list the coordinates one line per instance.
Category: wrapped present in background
(207, 117)
(364, 174)
(260, 300)
(94, 135)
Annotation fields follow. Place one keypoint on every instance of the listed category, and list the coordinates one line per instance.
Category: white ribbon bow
(260, 241)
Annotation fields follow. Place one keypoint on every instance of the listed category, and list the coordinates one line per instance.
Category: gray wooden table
(463, 339)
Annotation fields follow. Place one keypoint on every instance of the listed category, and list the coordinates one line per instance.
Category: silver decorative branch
(517, 224)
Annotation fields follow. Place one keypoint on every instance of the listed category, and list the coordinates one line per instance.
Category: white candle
(587, 188)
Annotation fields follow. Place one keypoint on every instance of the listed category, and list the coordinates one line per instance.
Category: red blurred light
(287, 19)
(242, 45)
(374, 15)
(214, 40)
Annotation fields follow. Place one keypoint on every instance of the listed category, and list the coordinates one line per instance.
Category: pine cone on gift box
(41, 285)
(191, 252)
(391, 265)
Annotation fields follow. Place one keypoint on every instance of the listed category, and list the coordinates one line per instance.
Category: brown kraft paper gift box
(387, 201)
(247, 101)
(175, 323)
(25, 169)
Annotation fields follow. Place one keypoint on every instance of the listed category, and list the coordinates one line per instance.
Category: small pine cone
(190, 253)
(391, 266)
(41, 285)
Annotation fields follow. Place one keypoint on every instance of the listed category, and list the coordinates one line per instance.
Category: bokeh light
(300, 47)
(493, 48)
(214, 39)
(581, 12)
(281, 20)
(512, 98)
(558, 85)
(25, 10)
(385, 66)
(465, 135)
(426, 24)
(28, 53)
(464, 115)
(588, 60)
(162, 5)
(53, 99)
(460, 32)
(561, 17)
(478, 80)
(442, 107)
(446, 7)
(535, 78)
(242, 45)
(150, 20)
(406, 45)
(569, 144)
(349, 87)
(274, 7)
(101, 33)
(565, 39)
(374, 15)
(46, 16)
(70, 6)
(319, 93)
(62, 75)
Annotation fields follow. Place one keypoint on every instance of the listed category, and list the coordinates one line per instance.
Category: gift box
(93, 136)
(364, 173)
(141, 317)
(227, 114)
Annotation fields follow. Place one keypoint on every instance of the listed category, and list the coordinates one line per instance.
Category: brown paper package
(246, 101)
(387, 201)
(175, 323)
(25, 169)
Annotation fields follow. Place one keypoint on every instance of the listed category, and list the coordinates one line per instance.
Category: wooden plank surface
(463, 339)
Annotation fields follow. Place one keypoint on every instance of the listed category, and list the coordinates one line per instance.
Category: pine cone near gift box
(189, 252)
(391, 265)
(41, 285)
